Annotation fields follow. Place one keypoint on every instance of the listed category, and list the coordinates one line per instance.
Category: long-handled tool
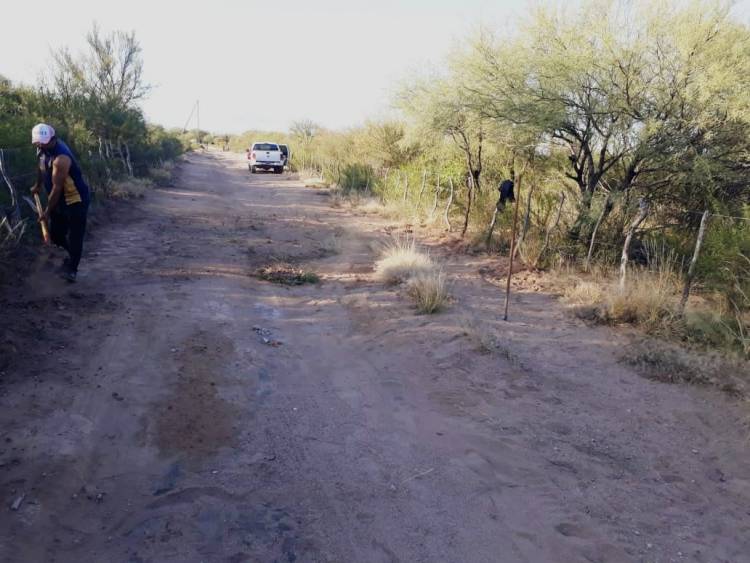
(36, 205)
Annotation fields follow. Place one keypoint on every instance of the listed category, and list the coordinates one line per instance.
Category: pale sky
(261, 64)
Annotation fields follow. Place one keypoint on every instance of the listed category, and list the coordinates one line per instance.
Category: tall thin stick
(448, 206)
(691, 269)
(512, 248)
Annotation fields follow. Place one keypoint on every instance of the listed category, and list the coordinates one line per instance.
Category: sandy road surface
(155, 420)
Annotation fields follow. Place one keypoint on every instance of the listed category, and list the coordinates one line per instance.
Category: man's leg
(77, 223)
(58, 229)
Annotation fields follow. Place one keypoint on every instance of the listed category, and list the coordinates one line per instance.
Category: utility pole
(198, 114)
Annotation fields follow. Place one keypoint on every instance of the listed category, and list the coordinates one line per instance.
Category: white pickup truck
(265, 155)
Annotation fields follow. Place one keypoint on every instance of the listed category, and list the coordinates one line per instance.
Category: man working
(67, 195)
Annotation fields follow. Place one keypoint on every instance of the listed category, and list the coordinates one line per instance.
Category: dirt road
(172, 407)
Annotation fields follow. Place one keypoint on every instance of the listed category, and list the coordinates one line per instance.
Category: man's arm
(60, 169)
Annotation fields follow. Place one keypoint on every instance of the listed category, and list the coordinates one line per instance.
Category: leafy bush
(356, 177)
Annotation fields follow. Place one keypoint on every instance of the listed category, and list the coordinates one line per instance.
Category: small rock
(17, 503)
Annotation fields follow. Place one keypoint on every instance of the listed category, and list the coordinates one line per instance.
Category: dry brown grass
(649, 298)
(402, 262)
(129, 188)
(429, 291)
(670, 363)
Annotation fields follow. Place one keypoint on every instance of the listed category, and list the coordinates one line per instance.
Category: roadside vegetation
(625, 128)
(92, 100)
(402, 262)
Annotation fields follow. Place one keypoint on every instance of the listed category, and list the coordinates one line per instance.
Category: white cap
(42, 134)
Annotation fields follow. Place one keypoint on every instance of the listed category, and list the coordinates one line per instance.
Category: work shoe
(65, 266)
(70, 275)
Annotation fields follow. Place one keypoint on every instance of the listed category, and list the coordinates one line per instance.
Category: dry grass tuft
(429, 291)
(402, 261)
(670, 363)
(129, 188)
(649, 299)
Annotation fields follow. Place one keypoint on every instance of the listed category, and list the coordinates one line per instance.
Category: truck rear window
(265, 147)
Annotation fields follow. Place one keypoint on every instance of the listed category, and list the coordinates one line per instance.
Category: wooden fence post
(512, 248)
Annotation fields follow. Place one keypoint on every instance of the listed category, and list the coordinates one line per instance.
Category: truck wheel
(278, 169)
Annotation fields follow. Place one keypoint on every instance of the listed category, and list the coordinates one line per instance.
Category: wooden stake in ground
(643, 211)
(691, 269)
(512, 248)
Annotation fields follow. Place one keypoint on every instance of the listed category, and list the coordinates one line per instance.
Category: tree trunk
(549, 231)
(406, 186)
(448, 206)
(691, 269)
(526, 221)
(128, 161)
(122, 154)
(492, 224)
(424, 183)
(605, 210)
(642, 213)
(469, 198)
(437, 193)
